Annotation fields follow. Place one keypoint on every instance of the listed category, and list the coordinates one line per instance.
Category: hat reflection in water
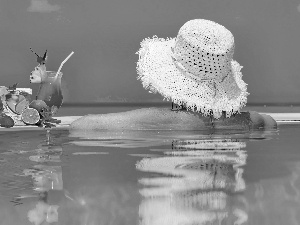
(196, 69)
(194, 184)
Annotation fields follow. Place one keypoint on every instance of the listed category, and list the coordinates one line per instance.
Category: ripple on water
(148, 177)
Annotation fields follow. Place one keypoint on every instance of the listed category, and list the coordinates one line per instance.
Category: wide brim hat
(195, 69)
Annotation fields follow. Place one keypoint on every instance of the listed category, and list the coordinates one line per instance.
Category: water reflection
(151, 138)
(198, 179)
(64, 184)
(45, 178)
(151, 178)
(193, 183)
(43, 212)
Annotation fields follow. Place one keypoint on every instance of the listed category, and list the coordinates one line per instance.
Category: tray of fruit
(17, 109)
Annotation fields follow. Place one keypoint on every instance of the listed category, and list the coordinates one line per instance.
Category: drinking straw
(63, 62)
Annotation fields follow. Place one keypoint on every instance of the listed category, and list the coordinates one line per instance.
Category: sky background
(106, 34)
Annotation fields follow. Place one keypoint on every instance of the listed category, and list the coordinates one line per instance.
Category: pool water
(150, 177)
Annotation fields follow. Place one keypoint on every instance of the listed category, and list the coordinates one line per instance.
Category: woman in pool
(196, 71)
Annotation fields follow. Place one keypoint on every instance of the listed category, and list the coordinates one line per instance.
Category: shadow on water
(149, 177)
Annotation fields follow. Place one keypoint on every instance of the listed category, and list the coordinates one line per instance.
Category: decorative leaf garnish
(40, 60)
(14, 87)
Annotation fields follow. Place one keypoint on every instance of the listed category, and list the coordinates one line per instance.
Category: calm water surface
(150, 177)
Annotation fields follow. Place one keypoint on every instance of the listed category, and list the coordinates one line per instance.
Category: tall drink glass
(50, 89)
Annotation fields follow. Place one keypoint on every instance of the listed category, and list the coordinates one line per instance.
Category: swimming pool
(150, 177)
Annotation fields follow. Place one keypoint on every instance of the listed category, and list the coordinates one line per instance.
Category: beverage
(49, 93)
(50, 90)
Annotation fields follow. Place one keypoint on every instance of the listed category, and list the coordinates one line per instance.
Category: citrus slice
(30, 116)
(20, 106)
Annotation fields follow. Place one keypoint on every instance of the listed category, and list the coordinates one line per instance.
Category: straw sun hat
(196, 69)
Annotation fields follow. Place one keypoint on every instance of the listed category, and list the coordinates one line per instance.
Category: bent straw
(63, 62)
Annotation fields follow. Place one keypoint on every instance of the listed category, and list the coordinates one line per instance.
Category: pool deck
(285, 117)
(281, 118)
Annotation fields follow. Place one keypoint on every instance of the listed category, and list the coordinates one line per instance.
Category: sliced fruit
(39, 105)
(6, 121)
(30, 116)
(11, 106)
(23, 104)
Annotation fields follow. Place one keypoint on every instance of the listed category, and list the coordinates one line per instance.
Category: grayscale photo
(149, 112)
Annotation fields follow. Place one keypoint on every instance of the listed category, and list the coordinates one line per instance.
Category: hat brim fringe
(216, 109)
